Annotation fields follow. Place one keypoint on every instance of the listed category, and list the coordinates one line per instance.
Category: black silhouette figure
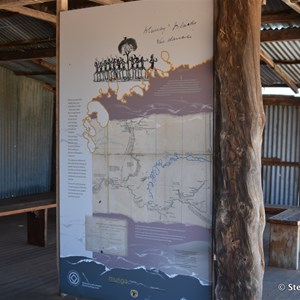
(152, 61)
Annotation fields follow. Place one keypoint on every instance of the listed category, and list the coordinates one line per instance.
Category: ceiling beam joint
(293, 4)
(283, 75)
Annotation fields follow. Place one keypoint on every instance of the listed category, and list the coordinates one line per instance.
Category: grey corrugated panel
(281, 185)
(284, 50)
(269, 77)
(50, 79)
(8, 129)
(27, 66)
(293, 71)
(26, 136)
(281, 140)
(280, 26)
(35, 123)
(281, 135)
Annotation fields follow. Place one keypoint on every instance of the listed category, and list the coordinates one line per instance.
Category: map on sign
(151, 159)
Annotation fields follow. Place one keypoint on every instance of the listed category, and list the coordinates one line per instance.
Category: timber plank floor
(30, 272)
(27, 272)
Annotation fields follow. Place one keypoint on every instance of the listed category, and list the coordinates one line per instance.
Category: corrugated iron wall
(281, 154)
(26, 128)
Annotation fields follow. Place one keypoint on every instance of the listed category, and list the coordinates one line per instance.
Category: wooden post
(240, 217)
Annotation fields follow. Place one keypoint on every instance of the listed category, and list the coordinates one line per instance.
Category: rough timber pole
(239, 208)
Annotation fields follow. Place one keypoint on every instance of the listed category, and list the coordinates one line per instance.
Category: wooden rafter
(27, 43)
(7, 14)
(33, 73)
(281, 100)
(275, 161)
(31, 13)
(287, 62)
(283, 75)
(49, 87)
(280, 35)
(294, 4)
(27, 55)
(21, 2)
(45, 64)
(107, 2)
(281, 17)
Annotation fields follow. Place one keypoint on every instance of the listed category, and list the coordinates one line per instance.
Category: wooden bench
(36, 206)
(284, 239)
(276, 209)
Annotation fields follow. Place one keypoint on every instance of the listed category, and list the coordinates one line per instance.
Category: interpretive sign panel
(136, 112)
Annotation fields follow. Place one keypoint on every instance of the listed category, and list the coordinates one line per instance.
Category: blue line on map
(160, 165)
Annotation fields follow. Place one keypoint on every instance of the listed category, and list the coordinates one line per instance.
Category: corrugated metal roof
(280, 26)
(293, 71)
(14, 30)
(269, 77)
(273, 6)
(19, 28)
(51, 60)
(281, 51)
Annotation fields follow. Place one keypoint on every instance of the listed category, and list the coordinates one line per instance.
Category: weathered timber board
(288, 217)
(23, 204)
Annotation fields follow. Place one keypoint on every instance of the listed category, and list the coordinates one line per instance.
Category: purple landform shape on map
(185, 91)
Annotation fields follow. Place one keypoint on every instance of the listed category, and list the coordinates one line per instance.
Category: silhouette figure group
(131, 67)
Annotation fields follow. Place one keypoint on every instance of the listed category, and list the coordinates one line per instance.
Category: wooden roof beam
(33, 73)
(27, 55)
(294, 4)
(283, 75)
(21, 2)
(49, 87)
(287, 62)
(107, 2)
(281, 17)
(281, 100)
(45, 64)
(280, 35)
(31, 13)
(27, 43)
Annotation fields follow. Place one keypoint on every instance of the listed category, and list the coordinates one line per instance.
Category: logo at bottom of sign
(74, 278)
(134, 293)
